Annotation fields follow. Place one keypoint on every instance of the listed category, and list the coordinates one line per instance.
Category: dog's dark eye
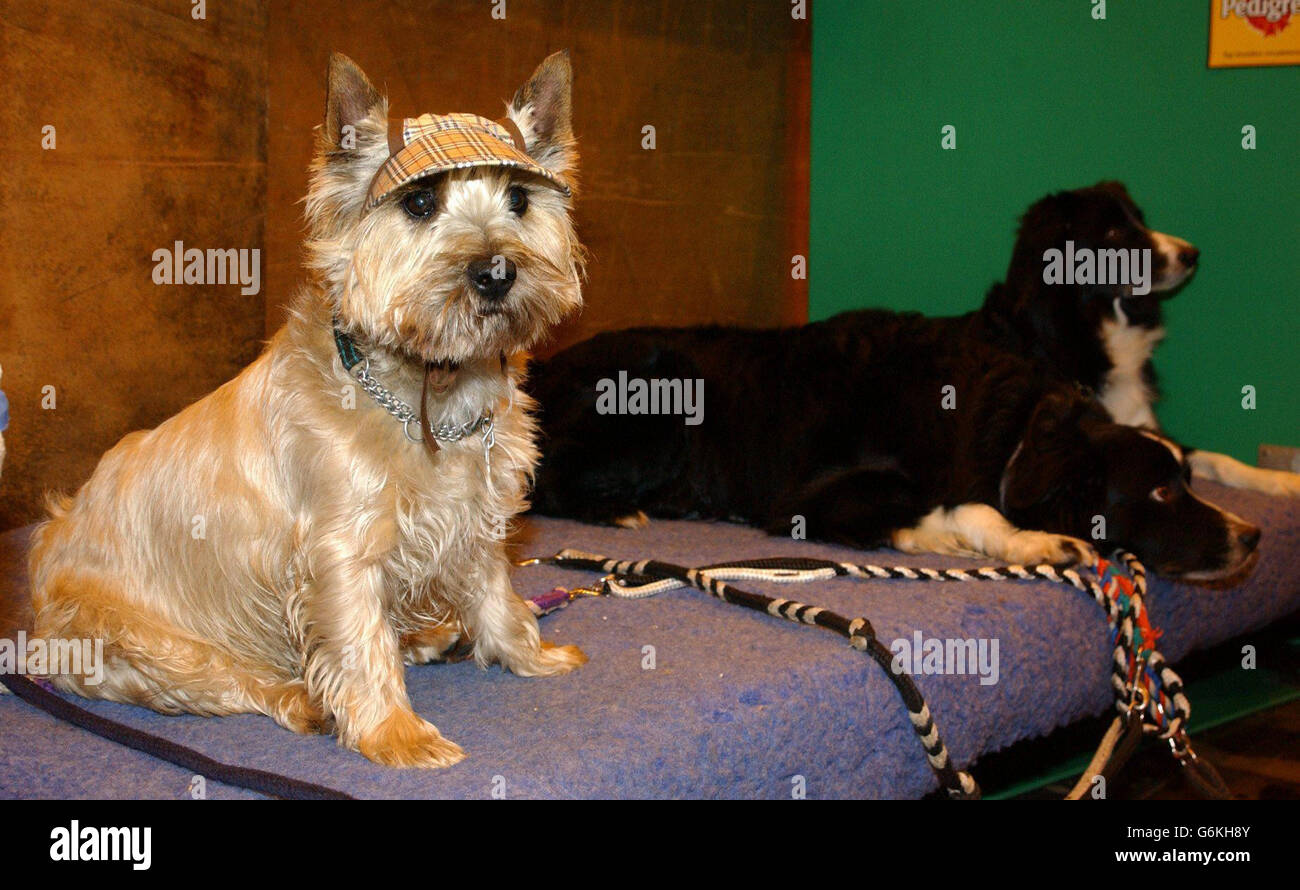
(1162, 494)
(1112, 234)
(517, 200)
(420, 203)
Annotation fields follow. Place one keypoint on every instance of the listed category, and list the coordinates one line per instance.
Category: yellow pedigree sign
(1246, 33)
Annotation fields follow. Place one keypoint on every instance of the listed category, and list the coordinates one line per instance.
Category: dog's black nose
(1249, 538)
(1188, 256)
(491, 278)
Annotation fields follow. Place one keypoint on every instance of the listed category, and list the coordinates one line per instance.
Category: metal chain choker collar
(358, 366)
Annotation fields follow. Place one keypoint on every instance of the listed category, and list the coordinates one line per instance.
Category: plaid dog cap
(434, 143)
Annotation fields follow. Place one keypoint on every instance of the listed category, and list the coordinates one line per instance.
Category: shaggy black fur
(843, 422)
(1058, 325)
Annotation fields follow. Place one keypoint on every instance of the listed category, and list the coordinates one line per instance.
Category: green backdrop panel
(1044, 97)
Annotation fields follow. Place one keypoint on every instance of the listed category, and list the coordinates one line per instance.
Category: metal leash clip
(1137, 703)
(559, 597)
(600, 588)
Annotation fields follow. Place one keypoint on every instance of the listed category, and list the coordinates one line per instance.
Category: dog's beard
(458, 325)
(406, 288)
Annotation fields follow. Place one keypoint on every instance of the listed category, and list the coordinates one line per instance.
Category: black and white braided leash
(1149, 695)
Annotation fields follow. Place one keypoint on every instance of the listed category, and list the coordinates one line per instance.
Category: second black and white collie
(1100, 331)
(869, 428)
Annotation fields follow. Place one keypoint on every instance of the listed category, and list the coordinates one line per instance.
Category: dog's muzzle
(491, 279)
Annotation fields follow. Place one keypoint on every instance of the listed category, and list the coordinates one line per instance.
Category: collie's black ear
(1053, 454)
(1056, 417)
(1114, 187)
(1047, 222)
(1119, 192)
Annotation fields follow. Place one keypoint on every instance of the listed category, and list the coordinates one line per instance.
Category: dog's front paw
(916, 540)
(632, 520)
(1029, 548)
(549, 661)
(294, 709)
(406, 740)
(1285, 484)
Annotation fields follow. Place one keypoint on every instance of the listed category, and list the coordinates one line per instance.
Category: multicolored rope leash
(1148, 694)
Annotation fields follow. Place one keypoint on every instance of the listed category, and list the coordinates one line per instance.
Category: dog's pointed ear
(542, 111)
(351, 104)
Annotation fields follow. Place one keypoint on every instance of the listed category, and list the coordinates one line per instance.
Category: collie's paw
(1036, 548)
(918, 540)
(550, 661)
(632, 520)
(1280, 482)
(406, 740)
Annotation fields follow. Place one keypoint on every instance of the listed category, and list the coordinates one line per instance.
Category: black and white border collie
(872, 428)
(1102, 335)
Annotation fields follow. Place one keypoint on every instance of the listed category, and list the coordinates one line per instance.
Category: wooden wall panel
(160, 136)
(201, 131)
(700, 229)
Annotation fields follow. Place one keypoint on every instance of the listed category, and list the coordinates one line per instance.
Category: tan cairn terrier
(285, 545)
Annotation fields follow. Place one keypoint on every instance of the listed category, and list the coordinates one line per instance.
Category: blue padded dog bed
(738, 704)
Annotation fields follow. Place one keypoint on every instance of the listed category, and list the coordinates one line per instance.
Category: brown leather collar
(395, 141)
(439, 377)
(515, 133)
